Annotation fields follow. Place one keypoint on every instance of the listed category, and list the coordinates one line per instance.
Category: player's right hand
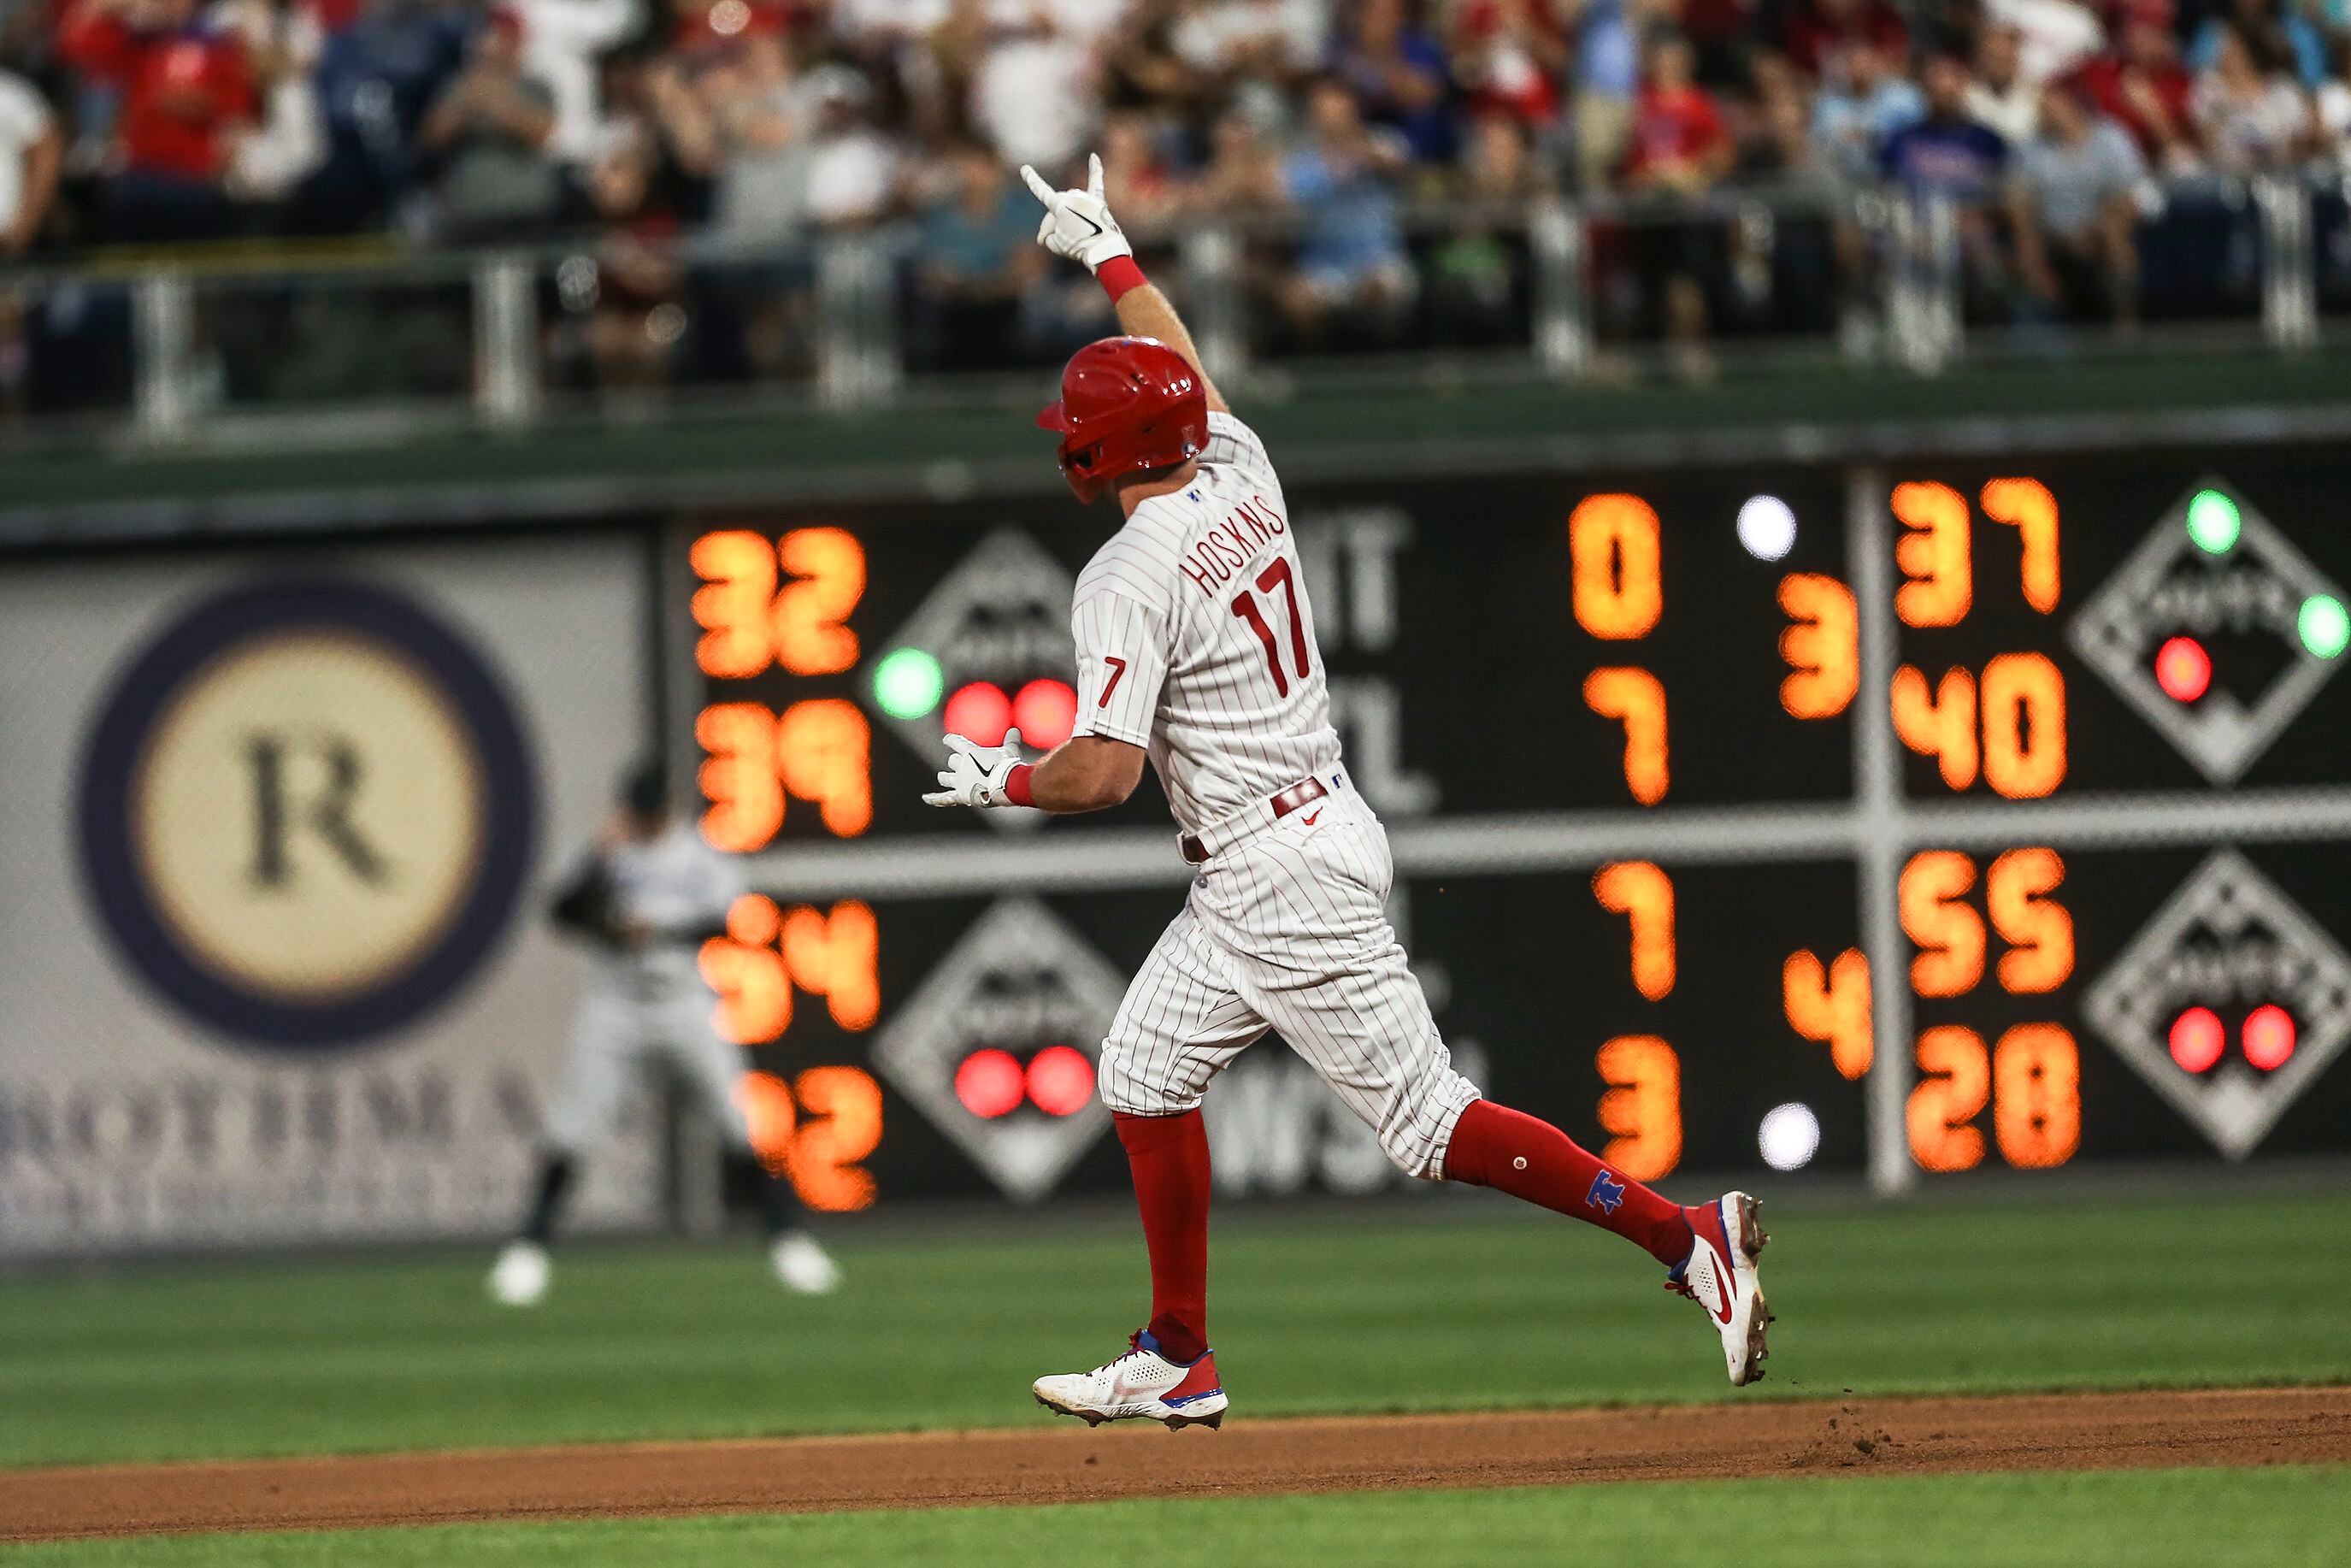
(1078, 223)
(975, 774)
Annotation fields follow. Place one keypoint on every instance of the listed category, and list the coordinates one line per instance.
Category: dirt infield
(1063, 1462)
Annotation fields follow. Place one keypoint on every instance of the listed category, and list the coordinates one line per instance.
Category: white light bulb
(1767, 526)
(1789, 1137)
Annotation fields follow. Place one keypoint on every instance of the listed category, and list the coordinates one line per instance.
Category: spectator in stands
(1141, 182)
(1244, 171)
(854, 170)
(184, 95)
(2252, 116)
(1350, 256)
(562, 42)
(1274, 41)
(32, 149)
(272, 157)
(2333, 109)
(1140, 66)
(2144, 88)
(741, 116)
(493, 127)
(976, 257)
(2054, 37)
(2074, 209)
(1035, 88)
(1478, 284)
(1948, 151)
(1397, 70)
(1786, 274)
(2285, 29)
(376, 80)
(1607, 77)
(1863, 101)
(2003, 96)
(637, 315)
(1507, 55)
(1815, 30)
(1680, 150)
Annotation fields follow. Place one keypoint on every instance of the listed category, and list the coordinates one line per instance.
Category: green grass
(1483, 1312)
(2285, 1518)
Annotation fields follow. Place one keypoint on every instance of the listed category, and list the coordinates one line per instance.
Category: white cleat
(520, 1277)
(1141, 1385)
(803, 1266)
(1720, 1275)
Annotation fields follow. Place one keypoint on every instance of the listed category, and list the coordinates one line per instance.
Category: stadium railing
(254, 347)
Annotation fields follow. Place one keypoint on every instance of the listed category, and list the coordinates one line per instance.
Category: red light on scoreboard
(2269, 1037)
(2198, 1040)
(1046, 711)
(990, 1084)
(2183, 669)
(979, 711)
(1060, 1080)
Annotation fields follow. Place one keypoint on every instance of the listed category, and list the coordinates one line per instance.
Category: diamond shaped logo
(1000, 619)
(1020, 987)
(2243, 577)
(2231, 942)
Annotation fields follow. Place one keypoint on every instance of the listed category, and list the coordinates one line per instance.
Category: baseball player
(1197, 650)
(646, 897)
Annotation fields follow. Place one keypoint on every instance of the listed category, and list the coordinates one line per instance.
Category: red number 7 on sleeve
(1117, 673)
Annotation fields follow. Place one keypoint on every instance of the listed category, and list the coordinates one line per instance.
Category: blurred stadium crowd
(2097, 152)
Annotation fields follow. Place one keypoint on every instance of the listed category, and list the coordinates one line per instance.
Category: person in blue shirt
(1351, 261)
(2302, 40)
(1948, 152)
(1397, 71)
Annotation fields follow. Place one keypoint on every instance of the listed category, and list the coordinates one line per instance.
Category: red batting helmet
(1127, 404)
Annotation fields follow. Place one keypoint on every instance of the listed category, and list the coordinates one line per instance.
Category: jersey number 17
(1245, 606)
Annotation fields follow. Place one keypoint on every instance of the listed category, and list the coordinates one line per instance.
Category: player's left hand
(1078, 223)
(975, 774)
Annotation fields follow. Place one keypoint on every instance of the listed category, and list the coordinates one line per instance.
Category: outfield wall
(281, 820)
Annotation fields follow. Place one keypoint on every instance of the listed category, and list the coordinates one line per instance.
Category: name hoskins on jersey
(1195, 638)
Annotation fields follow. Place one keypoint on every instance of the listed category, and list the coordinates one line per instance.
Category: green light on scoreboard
(2212, 522)
(908, 684)
(2325, 625)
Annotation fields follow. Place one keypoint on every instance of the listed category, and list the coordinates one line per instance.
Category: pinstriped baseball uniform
(1195, 641)
(653, 1004)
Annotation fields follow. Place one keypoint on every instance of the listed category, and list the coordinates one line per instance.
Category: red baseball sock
(1496, 1146)
(1169, 1155)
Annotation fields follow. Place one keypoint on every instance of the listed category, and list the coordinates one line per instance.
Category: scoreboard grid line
(1538, 841)
(1877, 788)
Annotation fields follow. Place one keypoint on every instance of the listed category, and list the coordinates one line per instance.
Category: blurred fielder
(1197, 650)
(646, 896)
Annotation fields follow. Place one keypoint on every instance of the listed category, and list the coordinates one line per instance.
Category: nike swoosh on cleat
(1722, 1289)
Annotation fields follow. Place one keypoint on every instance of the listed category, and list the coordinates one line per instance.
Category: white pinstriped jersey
(1196, 640)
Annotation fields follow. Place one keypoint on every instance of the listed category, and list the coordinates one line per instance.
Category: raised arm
(1078, 225)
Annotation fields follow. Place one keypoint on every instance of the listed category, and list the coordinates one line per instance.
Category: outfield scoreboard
(1918, 820)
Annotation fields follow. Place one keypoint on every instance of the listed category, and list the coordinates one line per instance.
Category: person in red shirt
(1817, 30)
(1680, 149)
(184, 93)
(1508, 55)
(1678, 141)
(2143, 86)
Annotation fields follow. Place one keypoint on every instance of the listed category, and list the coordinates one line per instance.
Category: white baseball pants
(613, 1035)
(1289, 930)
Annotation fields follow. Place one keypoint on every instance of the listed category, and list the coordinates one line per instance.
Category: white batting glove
(975, 774)
(1078, 223)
